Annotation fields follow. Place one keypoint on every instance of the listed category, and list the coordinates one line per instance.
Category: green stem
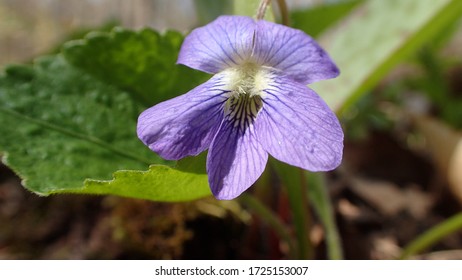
(320, 200)
(432, 236)
(298, 198)
(294, 180)
(269, 217)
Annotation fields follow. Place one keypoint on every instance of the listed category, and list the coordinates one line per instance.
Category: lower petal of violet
(297, 127)
(185, 125)
(235, 161)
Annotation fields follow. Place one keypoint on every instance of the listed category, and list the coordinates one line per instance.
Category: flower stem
(262, 9)
(269, 217)
(300, 211)
(432, 236)
(284, 12)
(322, 205)
(294, 180)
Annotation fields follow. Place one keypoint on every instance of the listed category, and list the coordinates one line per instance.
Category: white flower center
(246, 85)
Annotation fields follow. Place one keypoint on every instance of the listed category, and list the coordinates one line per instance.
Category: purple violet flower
(257, 103)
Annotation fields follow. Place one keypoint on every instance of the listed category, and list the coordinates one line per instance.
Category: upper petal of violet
(292, 52)
(185, 125)
(297, 127)
(223, 43)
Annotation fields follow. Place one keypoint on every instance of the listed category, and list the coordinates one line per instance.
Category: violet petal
(297, 127)
(235, 161)
(184, 125)
(223, 43)
(293, 52)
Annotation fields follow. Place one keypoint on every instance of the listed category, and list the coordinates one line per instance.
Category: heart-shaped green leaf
(61, 127)
(143, 62)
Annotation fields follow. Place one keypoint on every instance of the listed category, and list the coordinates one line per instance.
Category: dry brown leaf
(384, 248)
(384, 196)
(347, 209)
(389, 199)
